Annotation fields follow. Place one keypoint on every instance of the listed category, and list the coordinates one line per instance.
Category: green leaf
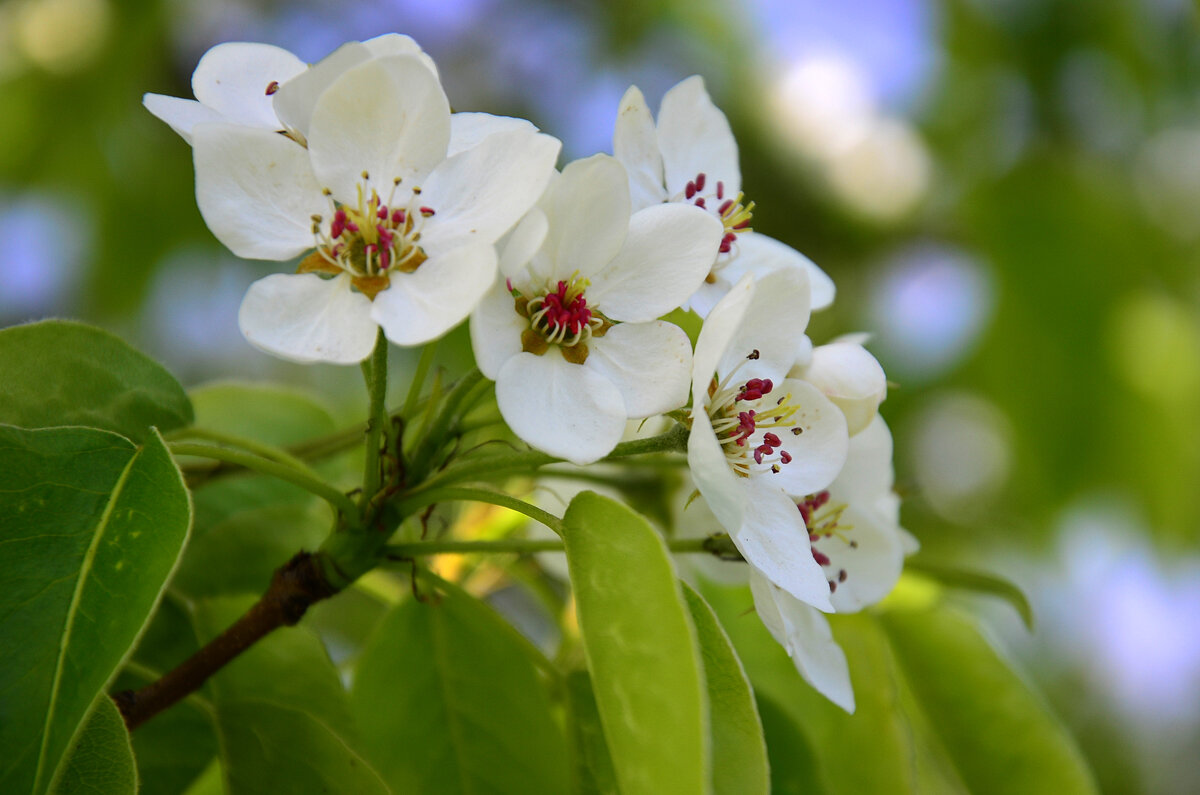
(793, 767)
(449, 701)
(982, 582)
(58, 372)
(100, 761)
(593, 767)
(91, 527)
(1001, 737)
(641, 648)
(739, 752)
(282, 715)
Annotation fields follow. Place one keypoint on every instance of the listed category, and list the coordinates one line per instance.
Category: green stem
(414, 502)
(375, 374)
(434, 434)
(266, 466)
(249, 445)
(712, 545)
(418, 379)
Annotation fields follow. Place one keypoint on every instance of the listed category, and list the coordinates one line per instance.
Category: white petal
(649, 363)
(868, 476)
(695, 138)
(909, 542)
(399, 44)
(818, 452)
(560, 408)
(469, 129)
(635, 144)
(232, 79)
(872, 566)
(525, 240)
(722, 489)
(496, 330)
(717, 334)
(756, 253)
(850, 377)
(478, 194)
(588, 209)
(666, 255)
(305, 318)
(256, 190)
(181, 114)
(773, 325)
(805, 634)
(708, 295)
(295, 99)
(424, 305)
(388, 117)
(774, 540)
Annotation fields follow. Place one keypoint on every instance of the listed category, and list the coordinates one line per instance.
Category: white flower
(849, 376)
(235, 82)
(758, 437)
(400, 226)
(857, 540)
(691, 156)
(571, 335)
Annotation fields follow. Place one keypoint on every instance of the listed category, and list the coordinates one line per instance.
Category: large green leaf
(939, 711)
(91, 527)
(593, 767)
(449, 701)
(281, 713)
(58, 372)
(793, 766)
(641, 648)
(739, 752)
(100, 761)
(1001, 737)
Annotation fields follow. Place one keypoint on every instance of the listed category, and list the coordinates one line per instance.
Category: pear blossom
(235, 82)
(690, 156)
(760, 440)
(857, 540)
(570, 332)
(399, 225)
(849, 376)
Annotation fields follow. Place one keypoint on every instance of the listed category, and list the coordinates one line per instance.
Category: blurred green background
(1007, 193)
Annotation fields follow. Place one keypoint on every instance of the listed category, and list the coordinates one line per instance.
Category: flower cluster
(404, 217)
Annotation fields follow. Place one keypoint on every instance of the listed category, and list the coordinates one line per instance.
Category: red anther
(386, 236)
(700, 203)
(745, 427)
(785, 457)
(700, 181)
(385, 258)
(813, 537)
(690, 190)
(820, 557)
(353, 227)
(820, 498)
(725, 205)
(382, 212)
(397, 216)
(743, 225)
(841, 575)
(832, 586)
(771, 440)
(272, 87)
(339, 224)
(427, 211)
(508, 284)
(726, 245)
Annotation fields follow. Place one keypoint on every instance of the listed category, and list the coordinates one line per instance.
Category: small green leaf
(449, 701)
(982, 582)
(739, 752)
(593, 767)
(641, 648)
(281, 713)
(58, 372)
(100, 761)
(1001, 737)
(91, 526)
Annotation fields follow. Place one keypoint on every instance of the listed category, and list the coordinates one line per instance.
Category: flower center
(733, 215)
(559, 315)
(740, 409)
(823, 521)
(369, 240)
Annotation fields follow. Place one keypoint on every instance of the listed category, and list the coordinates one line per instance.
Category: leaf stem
(249, 445)
(427, 497)
(418, 379)
(266, 466)
(375, 373)
(719, 545)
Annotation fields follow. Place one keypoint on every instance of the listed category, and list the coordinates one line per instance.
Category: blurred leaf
(739, 752)
(1001, 737)
(793, 767)
(91, 526)
(208, 782)
(282, 715)
(594, 774)
(982, 582)
(641, 648)
(58, 372)
(449, 701)
(100, 760)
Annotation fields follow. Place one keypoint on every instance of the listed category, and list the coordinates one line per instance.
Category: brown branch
(295, 586)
